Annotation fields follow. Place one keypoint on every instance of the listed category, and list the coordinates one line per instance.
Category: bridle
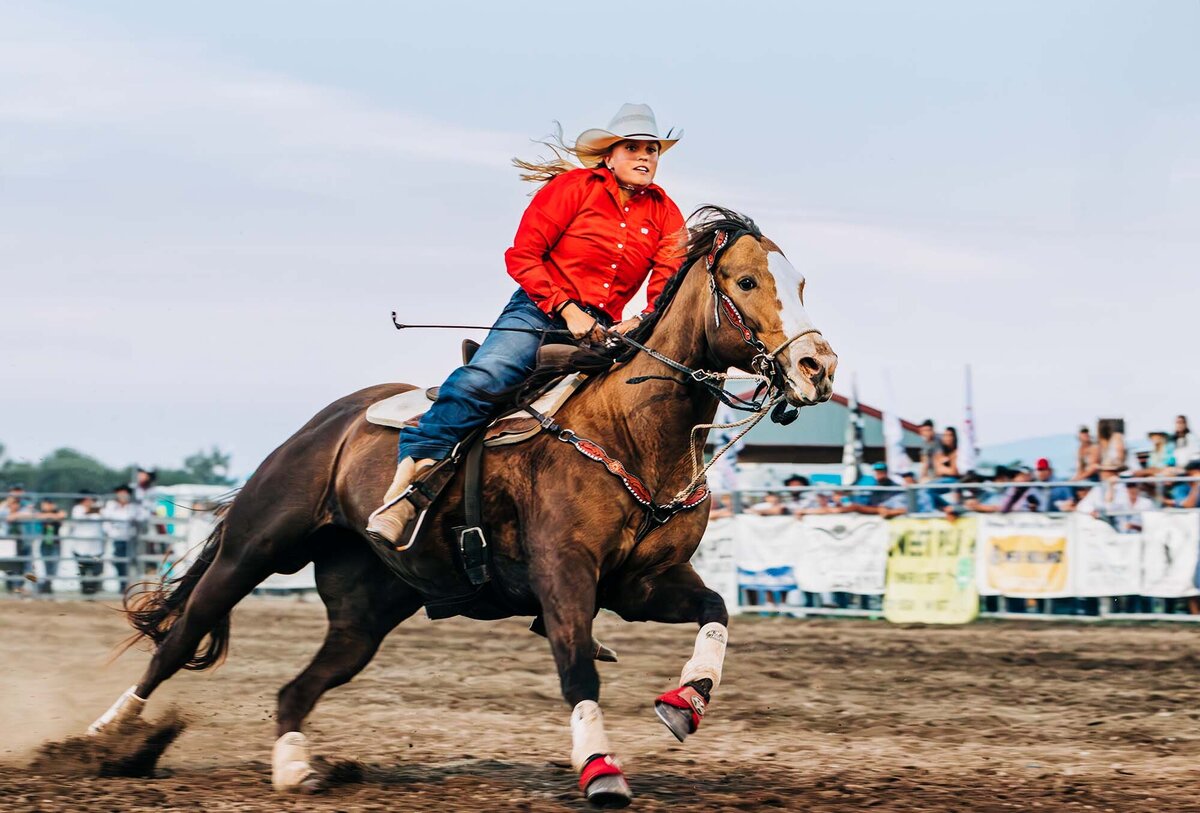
(765, 366)
(768, 396)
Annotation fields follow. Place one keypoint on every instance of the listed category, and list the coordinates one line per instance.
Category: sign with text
(931, 572)
(1023, 555)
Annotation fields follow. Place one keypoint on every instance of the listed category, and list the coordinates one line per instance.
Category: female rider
(585, 245)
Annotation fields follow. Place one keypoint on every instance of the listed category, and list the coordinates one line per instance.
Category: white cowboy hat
(633, 122)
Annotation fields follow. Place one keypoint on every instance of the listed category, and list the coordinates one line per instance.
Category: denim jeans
(502, 361)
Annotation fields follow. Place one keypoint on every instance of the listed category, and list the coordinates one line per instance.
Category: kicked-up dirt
(459, 715)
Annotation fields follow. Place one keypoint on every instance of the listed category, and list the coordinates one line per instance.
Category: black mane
(702, 226)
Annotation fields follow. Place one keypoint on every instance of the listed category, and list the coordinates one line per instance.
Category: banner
(1170, 543)
(931, 572)
(1023, 556)
(842, 553)
(1103, 562)
(767, 550)
(714, 561)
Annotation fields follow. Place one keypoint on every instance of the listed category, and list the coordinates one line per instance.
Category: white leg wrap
(289, 761)
(708, 656)
(127, 707)
(587, 733)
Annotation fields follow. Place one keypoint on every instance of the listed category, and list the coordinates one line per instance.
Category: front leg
(564, 578)
(676, 596)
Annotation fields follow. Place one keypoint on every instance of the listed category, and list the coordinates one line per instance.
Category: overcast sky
(208, 212)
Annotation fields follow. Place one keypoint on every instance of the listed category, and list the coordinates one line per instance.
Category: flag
(968, 445)
(852, 451)
(898, 461)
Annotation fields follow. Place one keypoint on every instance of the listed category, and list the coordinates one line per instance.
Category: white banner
(1103, 562)
(767, 551)
(1170, 544)
(714, 560)
(843, 553)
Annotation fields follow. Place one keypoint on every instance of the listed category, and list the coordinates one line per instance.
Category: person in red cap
(1049, 498)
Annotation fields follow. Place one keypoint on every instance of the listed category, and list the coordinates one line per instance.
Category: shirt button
(614, 265)
(627, 208)
(622, 225)
(606, 285)
(602, 304)
(620, 245)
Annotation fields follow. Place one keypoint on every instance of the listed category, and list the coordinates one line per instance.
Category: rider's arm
(668, 255)
(546, 218)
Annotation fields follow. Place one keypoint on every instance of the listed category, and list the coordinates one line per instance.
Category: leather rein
(768, 397)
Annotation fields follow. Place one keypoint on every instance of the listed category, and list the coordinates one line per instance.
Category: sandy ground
(813, 715)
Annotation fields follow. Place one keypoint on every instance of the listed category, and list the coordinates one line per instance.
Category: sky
(209, 211)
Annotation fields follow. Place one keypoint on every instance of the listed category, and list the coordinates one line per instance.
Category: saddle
(406, 408)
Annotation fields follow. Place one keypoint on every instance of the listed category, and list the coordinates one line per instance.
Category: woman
(1111, 435)
(589, 239)
(945, 460)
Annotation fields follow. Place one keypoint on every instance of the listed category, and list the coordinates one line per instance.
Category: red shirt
(577, 241)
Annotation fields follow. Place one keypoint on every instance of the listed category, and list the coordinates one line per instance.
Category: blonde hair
(542, 170)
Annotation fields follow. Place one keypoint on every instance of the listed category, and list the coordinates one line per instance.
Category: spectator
(883, 503)
(15, 512)
(929, 447)
(1139, 501)
(1111, 435)
(1049, 498)
(1162, 454)
(800, 502)
(1186, 447)
(1187, 495)
(1107, 499)
(85, 537)
(1087, 465)
(921, 500)
(720, 506)
(772, 505)
(123, 515)
(49, 522)
(945, 459)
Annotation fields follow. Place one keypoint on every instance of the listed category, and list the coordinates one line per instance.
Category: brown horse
(566, 538)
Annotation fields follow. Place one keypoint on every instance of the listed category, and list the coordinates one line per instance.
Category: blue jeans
(502, 361)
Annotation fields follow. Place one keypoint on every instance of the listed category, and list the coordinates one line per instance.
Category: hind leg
(364, 602)
(243, 560)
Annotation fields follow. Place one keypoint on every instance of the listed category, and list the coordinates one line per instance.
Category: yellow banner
(1026, 561)
(931, 572)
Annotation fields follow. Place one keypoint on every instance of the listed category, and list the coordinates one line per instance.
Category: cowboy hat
(633, 122)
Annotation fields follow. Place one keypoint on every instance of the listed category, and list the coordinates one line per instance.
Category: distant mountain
(1060, 450)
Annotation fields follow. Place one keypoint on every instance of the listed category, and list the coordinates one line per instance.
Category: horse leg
(677, 596)
(364, 602)
(243, 559)
(566, 588)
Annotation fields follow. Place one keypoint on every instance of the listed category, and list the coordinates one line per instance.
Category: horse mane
(702, 225)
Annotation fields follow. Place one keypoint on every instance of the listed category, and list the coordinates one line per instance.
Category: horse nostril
(813, 368)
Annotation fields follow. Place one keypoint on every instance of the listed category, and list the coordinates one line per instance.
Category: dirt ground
(831, 715)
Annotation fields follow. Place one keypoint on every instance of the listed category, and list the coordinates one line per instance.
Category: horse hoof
(609, 792)
(678, 721)
(311, 786)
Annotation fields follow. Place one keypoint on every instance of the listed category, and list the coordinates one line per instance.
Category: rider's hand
(627, 325)
(582, 325)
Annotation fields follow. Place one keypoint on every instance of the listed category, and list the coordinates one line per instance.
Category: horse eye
(747, 284)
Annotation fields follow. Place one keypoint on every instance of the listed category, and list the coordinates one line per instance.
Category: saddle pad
(405, 408)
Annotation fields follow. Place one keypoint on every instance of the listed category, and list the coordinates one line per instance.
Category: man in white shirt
(83, 540)
(123, 516)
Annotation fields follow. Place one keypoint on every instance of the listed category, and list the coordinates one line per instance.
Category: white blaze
(792, 316)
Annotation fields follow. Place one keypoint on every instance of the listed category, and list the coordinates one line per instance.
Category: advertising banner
(767, 550)
(1170, 544)
(931, 572)
(1103, 562)
(714, 560)
(1023, 555)
(842, 553)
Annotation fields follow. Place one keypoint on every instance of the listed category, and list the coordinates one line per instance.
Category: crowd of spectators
(80, 539)
(1108, 481)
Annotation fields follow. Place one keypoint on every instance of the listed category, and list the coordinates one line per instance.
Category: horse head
(759, 320)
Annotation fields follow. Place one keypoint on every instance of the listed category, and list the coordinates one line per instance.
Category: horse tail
(152, 608)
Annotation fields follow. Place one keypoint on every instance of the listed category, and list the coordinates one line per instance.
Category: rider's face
(634, 162)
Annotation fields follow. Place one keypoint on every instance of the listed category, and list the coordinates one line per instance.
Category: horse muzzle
(810, 364)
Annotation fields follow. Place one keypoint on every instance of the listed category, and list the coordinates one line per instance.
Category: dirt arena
(813, 715)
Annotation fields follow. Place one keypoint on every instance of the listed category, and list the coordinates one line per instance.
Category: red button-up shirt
(578, 241)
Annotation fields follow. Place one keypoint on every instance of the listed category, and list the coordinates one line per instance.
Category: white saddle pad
(403, 408)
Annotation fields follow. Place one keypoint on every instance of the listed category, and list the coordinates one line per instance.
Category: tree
(209, 468)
